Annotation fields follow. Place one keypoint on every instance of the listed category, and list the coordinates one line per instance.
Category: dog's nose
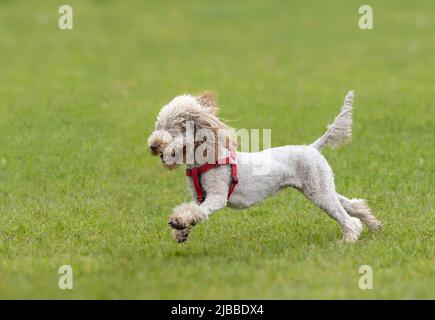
(154, 148)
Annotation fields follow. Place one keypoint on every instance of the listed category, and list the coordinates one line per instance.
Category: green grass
(78, 186)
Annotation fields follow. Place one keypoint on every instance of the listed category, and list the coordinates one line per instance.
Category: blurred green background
(78, 186)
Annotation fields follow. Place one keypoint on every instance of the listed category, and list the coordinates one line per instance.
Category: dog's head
(183, 125)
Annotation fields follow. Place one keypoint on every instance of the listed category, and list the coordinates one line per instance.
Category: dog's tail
(340, 131)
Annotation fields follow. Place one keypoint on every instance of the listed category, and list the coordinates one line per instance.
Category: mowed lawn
(78, 186)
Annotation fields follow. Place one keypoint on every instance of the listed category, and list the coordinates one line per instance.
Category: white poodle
(243, 179)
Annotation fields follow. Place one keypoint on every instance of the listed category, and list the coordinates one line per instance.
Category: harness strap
(197, 184)
(196, 172)
(234, 179)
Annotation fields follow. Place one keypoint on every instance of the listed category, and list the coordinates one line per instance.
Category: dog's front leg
(189, 214)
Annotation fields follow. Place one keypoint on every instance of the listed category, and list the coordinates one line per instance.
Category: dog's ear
(208, 101)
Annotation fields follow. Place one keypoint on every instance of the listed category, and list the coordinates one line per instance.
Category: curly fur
(186, 215)
(340, 132)
(358, 208)
(183, 218)
(260, 174)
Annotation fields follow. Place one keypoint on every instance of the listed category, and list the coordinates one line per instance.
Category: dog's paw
(373, 224)
(352, 230)
(186, 215)
(181, 235)
(177, 223)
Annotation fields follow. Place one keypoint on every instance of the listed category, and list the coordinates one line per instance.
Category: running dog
(224, 177)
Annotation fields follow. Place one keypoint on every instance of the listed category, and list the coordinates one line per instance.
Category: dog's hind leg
(358, 208)
(328, 202)
(317, 184)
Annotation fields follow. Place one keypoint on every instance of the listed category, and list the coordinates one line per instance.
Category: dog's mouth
(167, 158)
(162, 157)
(168, 165)
(156, 151)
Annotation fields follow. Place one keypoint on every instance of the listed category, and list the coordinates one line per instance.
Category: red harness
(196, 172)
